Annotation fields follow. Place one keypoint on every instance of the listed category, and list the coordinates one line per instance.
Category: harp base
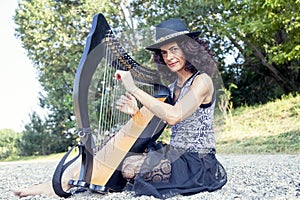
(78, 183)
(84, 186)
(99, 189)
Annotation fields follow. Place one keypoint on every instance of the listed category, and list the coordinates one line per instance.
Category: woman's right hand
(127, 80)
(127, 104)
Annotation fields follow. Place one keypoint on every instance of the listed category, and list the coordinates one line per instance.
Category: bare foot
(72, 172)
(44, 188)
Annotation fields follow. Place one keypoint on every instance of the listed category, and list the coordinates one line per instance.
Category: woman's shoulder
(203, 85)
(203, 78)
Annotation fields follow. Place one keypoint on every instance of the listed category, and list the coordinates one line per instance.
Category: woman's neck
(182, 76)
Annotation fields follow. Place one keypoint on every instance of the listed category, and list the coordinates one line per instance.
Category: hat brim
(158, 45)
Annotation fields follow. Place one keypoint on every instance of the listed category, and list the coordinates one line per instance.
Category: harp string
(110, 119)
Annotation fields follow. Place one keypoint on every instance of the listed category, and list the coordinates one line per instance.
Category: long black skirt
(191, 173)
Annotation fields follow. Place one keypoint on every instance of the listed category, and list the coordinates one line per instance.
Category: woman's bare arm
(200, 92)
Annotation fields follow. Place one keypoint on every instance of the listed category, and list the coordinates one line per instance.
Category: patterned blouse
(195, 133)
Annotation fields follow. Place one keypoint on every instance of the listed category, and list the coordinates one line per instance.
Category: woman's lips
(172, 64)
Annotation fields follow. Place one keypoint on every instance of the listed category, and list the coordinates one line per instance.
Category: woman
(188, 165)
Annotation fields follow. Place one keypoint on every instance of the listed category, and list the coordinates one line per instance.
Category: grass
(270, 128)
(40, 157)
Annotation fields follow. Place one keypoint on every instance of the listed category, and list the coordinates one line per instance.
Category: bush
(8, 139)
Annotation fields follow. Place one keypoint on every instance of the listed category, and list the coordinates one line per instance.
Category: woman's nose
(169, 55)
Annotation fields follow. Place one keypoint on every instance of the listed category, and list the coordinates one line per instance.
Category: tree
(38, 139)
(265, 37)
(261, 37)
(53, 33)
(8, 147)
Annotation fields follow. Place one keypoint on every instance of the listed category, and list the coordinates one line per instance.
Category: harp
(100, 168)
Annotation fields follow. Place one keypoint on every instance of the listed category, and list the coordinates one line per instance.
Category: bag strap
(60, 168)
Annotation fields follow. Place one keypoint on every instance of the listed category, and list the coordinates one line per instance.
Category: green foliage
(165, 136)
(53, 34)
(261, 36)
(37, 139)
(266, 41)
(226, 105)
(8, 138)
(269, 128)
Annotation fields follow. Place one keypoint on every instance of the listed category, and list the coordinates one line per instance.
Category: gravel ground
(249, 177)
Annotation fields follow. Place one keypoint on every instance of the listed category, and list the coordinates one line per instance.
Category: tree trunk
(282, 81)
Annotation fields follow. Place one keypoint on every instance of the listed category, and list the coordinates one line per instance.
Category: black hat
(169, 31)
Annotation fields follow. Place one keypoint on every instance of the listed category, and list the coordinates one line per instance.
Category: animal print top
(195, 133)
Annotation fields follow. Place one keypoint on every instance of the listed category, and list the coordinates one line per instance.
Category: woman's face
(173, 56)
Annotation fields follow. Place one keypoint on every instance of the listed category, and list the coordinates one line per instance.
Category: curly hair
(197, 54)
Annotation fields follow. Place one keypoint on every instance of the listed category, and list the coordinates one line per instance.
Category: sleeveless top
(195, 133)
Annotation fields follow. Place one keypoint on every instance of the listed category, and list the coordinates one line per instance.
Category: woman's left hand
(127, 80)
(127, 104)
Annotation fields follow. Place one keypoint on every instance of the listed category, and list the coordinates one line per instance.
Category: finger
(118, 75)
(120, 102)
(124, 98)
(129, 96)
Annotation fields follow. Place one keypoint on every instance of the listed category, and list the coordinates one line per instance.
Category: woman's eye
(163, 52)
(174, 49)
